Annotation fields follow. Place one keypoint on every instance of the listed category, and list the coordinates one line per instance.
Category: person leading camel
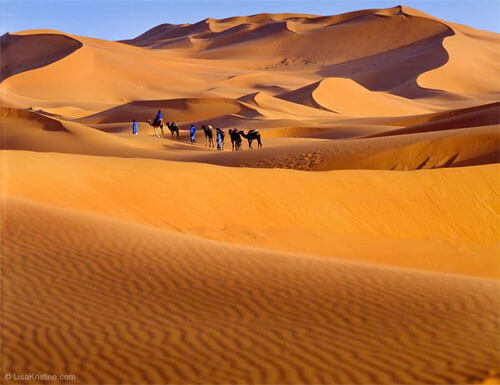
(192, 132)
(220, 131)
(219, 141)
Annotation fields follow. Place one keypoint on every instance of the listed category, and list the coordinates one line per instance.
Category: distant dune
(359, 245)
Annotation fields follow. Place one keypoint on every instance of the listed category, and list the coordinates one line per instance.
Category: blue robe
(193, 133)
(219, 141)
(159, 116)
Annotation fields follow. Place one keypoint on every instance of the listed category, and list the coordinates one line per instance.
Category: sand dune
(231, 37)
(194, 311)
(180, 110)
(477, 44)
(469, 117)
(450, 148)
(341, 96)
(23, 53)
(271, 107)
(359, 245)
(240, 207)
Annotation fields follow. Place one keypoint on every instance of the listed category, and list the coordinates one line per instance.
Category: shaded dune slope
(396, 70)
(483, 115)
(343, 95)
(26, 52)
(28, 130)
(179, 110)
(23, 118)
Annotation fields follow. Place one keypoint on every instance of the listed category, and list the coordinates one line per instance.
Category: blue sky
(123, 19)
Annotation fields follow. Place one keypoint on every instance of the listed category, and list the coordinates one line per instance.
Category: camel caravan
(234, 134)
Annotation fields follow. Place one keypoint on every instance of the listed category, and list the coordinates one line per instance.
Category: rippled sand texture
(360, 245)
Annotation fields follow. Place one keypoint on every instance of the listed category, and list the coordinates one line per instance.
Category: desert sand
(359, 245)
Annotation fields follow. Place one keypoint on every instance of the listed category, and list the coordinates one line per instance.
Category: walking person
(134, 128)
(192, 131)
(219, 140)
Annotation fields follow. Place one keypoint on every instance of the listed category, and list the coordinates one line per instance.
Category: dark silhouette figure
(235, 139)
(209, 135)
(173, 128)
(252, 135)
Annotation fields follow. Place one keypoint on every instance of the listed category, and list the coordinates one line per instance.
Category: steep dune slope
(107, 73)
(484, 115)
(460, 74)
(23, 53)
(272, 107)
(179, 110)
(344, 95)
(27, 130)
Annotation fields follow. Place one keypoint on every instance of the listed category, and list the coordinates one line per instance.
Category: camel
(251, 136)
(173, 128)
(209, 135)
(235, 139)
(156, 125)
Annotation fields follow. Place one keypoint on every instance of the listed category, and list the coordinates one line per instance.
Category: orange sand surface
(359, 245)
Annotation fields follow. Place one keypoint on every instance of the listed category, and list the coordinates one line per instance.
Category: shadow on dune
(179, 110)
(483, 115)
(396, 71)
(22, 53)
(489, 158)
